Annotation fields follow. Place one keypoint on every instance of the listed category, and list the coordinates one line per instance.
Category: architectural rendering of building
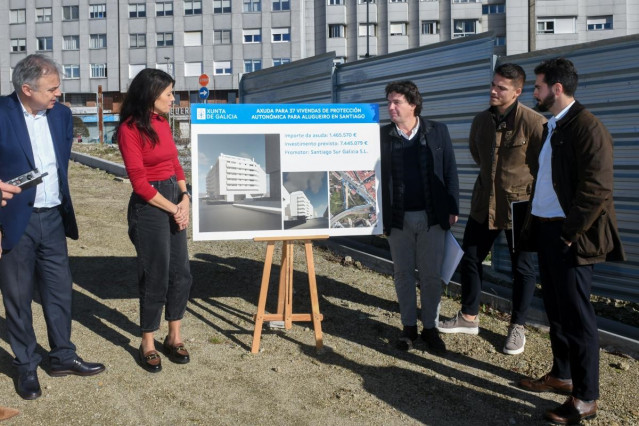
(234, 178)
(300, 206)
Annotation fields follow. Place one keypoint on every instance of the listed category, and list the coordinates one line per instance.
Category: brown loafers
(547, 383)
(176, 353)
(572, 412)
(151, 361)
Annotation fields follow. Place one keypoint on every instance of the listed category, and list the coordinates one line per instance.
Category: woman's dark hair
(137, 107)
(410, 92)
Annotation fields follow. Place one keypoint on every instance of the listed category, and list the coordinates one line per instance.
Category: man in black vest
(420, 199)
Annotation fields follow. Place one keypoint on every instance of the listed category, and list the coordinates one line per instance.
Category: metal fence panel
(305, 81)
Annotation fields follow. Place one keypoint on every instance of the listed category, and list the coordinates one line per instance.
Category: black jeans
(164, 274)
(478, 240)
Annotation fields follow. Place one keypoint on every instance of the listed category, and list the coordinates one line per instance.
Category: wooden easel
(285, 293)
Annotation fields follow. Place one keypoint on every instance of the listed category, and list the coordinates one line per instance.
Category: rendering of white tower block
(300, 205)
(235, 178)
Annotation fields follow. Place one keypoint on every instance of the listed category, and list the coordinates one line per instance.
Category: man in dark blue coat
(420, 196)
(36, 133)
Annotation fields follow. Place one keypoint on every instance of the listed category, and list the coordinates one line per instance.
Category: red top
(145, 163)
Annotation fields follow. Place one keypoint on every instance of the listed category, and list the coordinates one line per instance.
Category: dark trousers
(39, 262)
(574, 337)
(478, 240)
(164, 275)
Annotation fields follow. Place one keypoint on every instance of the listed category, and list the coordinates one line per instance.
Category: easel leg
(312, 285)
(261, 304)
(288, 306)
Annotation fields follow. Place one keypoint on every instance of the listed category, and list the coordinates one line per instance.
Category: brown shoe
(7, 413)
(547, 383)
(176, 353)
(572, 412)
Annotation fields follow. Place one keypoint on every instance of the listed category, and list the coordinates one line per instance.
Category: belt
(43, 209)
(156, 183)
(550, 219)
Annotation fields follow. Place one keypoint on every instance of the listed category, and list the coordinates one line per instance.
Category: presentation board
(268, 170)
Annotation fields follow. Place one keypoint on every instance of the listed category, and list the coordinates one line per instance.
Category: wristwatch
(187, 193)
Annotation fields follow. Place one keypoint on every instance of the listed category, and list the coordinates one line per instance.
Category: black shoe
(408, 337)
(78, 367)
(176, 353)
(151, 361)
(28, 385)
(435, 343)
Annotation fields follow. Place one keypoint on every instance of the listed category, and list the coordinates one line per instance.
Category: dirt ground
(359, 379)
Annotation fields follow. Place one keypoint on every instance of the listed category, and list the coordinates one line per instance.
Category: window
(164, 8)
(281, 34)
(222, 37)
(192, 7)
(221, 6)
(253, 36)
(137, 10)
(222, 68)
(193, 69)
(430, 27)
(372, 30)
(71, 71)
(500, 41)
(466, 1)
(164, 39)
(167, 68)
(193, 38)
(18, 44)
(281, 61)
(98, 70)
(135, 69)
(398, 28)
(71, 42)
(17, 16)
(335, 2)
(251, 65)
(252, 6)
(97, 41)
(596, 23)
(281, 5)
(45, 43)
(43, 14)
(464, 27)
(336, 30)
(137, 40)
(97, 11)
(363, 2)
(491, 9)
(70, 13)
(556, 25)
(397, 1)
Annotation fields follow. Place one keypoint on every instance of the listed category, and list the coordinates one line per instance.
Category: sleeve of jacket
(472, 146)
(451, 179)
(594, 157)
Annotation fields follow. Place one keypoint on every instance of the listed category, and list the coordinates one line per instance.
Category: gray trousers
(417, 246)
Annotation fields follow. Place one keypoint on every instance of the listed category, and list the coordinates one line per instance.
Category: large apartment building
(234, 178)
(105, 43)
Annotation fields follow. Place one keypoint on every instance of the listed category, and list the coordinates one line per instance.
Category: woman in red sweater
(158, 213)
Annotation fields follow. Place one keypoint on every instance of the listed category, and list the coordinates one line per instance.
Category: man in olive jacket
(501, 140)
(574, 226)
(420, 200)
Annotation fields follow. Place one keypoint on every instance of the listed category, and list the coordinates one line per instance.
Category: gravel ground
(358, 379)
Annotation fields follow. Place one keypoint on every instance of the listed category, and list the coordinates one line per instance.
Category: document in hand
(452, 255)
(518, 210)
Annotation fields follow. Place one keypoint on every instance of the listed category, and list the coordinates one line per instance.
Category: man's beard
(546, 103)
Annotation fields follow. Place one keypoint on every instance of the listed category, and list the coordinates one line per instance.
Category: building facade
(105, 43)
(300, 206)
(234, 178)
